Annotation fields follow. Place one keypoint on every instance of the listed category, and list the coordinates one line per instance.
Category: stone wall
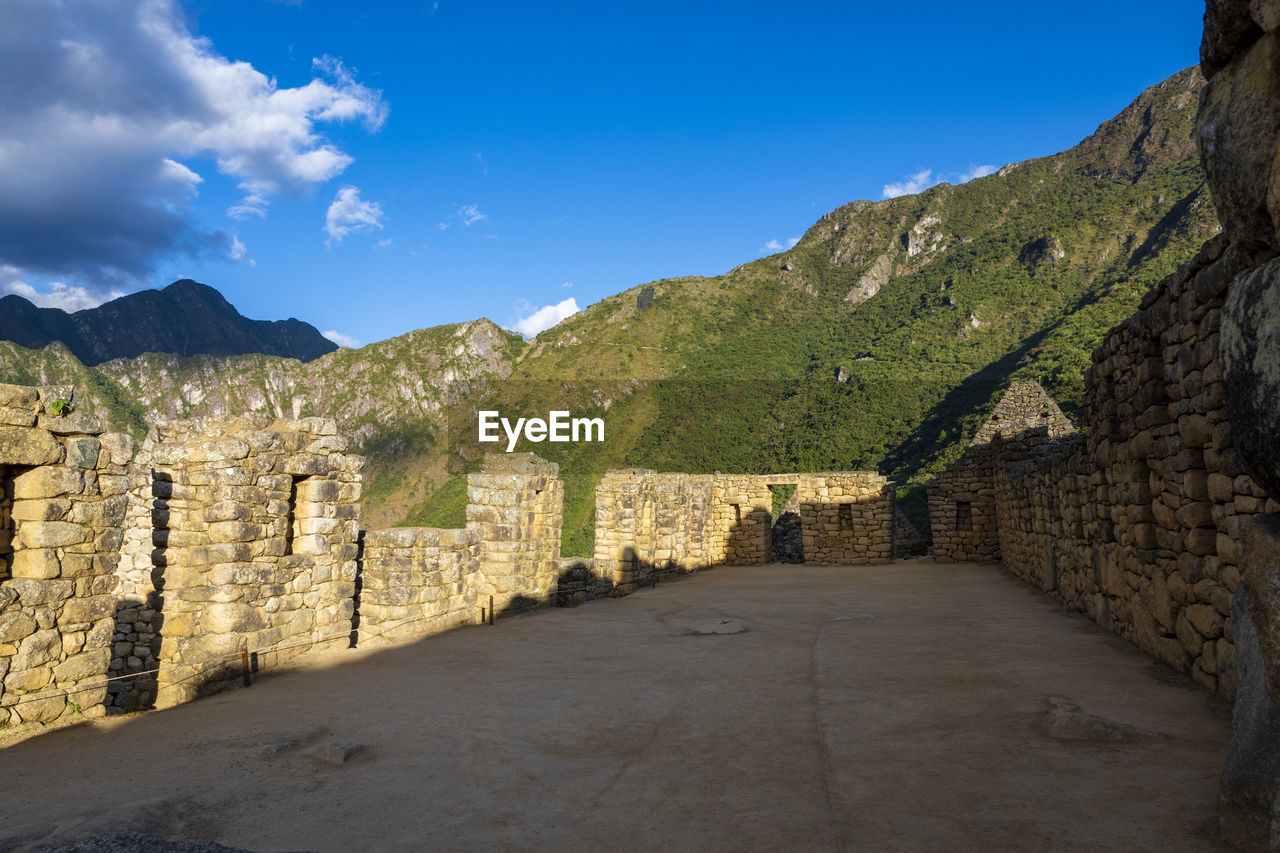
(516, 505)
(62, 504)
(1138, 523)
(962, 500)
(419, 581)
(846, 518)
(242, 534)
(1238, 131)
(649, 523)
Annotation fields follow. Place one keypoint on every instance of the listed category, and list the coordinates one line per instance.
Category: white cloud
(543, 318)
(925, 178)
(238, 249)
(791, 242)
(348, 212)
(484, 167)
(977, 172)
(919, 182)
(567, 284)
(771, 246)
(98, 150)
(65, 296)
(383, 244)
(470, 214)
(341, 339)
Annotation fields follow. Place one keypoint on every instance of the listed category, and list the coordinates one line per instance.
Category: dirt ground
(913, 706)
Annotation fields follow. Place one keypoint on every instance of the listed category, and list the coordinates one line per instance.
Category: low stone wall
(516, 504)
(649, 523)
(417, 581)
(62, 504)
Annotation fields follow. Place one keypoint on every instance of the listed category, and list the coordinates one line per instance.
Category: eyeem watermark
(558, 427)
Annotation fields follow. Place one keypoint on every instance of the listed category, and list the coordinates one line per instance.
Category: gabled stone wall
(1136, 523)
(962, 500)
(62, 504)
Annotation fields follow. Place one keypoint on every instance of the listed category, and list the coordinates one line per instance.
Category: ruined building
(1160, 521)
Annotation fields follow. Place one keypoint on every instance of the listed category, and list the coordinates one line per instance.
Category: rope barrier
(205, 666)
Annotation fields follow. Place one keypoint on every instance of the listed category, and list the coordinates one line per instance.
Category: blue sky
(374, 168)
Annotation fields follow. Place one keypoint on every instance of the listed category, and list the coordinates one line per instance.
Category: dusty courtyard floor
(905, 707)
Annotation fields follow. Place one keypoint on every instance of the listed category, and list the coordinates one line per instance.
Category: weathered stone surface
(36, 650)
(1251, 370)
(1248, 805)
(75, 423)
(232, 617)
(1236, 130)
(53, 534)
(15, 626)
(1228, 28)
(83, 452)
(19, 446)
(1266, 14)
(35, 563)
(48, 482)
(79, 667)
(19, 397)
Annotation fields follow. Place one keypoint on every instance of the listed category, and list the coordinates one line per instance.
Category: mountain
(880, 341)
(186, 318)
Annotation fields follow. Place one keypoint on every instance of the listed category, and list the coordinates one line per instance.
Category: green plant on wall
(60, 407)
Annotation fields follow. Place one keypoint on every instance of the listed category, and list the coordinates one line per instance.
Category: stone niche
(62, 505)
(242, 534)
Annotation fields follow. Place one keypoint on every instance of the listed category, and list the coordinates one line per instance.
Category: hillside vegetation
(880, 341)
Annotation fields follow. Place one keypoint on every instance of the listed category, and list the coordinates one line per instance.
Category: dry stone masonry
(420, 581)
(1163, 522)
(242, 534)
(649, 523)
(62, 507)
(135, 582)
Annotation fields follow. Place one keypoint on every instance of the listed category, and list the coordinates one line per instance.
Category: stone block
(23, 446)
(39, 563)
(83, 452)
(47, 482)
(52, 534)
(15, 626)
(231, 617)
(84, 665)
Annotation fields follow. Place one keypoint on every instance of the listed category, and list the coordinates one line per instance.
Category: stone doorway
(786, 535)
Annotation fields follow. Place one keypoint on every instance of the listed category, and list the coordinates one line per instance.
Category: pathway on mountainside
(917, 705)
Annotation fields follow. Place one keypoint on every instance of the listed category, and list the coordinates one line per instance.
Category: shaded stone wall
(1238, 131)
(242, 534)
(962, 500)
(62, 504)
(1138, 524)
(648, 523)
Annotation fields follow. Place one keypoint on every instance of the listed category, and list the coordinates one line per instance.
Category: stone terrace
(914, 706)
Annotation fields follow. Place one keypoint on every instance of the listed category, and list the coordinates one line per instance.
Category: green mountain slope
(879, 341)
